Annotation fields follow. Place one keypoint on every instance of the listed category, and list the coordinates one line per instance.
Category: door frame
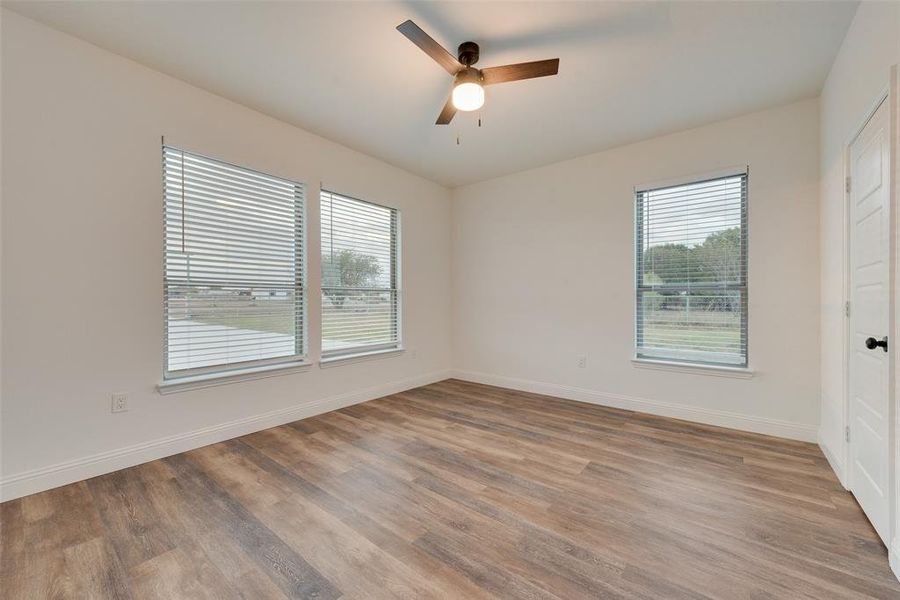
(893, 101)
(890, 96)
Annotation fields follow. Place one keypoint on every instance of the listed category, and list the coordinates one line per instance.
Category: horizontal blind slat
(691, 271)
(360, 299)
(233, 240)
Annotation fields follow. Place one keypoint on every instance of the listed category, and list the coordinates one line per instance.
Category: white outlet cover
(118, 402)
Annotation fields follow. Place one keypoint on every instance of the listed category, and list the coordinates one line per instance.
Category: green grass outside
(695, 334)
(258, 317)
(699, 332)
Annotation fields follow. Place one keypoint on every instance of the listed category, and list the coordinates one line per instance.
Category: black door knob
(872, 343)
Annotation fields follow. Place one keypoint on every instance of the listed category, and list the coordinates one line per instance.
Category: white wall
(542, 261)
(82, 261)
(543, 273)
(859, 74)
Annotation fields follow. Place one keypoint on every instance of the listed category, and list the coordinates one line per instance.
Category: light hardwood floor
(456, 490)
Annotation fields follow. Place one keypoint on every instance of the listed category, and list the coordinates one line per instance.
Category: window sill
(343, 359)
(196, 382)
(694, 368)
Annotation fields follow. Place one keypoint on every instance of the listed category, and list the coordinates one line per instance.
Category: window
(233, 285)
(360, 278)
(691, 263)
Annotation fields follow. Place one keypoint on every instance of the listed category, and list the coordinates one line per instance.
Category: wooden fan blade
(429, 46)
(447, 113)
(528, 70)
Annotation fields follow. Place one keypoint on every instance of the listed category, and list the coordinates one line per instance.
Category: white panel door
(869, 320)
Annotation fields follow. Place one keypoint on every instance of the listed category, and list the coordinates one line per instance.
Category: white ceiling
(628, 70)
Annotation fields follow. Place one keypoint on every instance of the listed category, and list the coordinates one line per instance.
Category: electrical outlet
(119, 403)
(412, 353)
(582, 362)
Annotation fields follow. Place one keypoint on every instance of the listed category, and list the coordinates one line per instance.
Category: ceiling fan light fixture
(468, 94)
(468, 86)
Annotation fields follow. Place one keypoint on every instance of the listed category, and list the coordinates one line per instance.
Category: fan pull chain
(479, 120)
(457, 139)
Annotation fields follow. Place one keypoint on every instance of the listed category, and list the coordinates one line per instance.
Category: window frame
(301, 322)
(640, 355)
(358, 352)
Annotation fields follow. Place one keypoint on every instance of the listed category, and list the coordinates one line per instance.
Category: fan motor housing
(468, 53)
(468, 75)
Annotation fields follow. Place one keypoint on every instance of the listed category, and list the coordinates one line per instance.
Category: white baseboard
(45, 478)
(894, 558)
(836, 464)
(721, 418)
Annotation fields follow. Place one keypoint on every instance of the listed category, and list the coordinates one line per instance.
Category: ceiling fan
(468, 86)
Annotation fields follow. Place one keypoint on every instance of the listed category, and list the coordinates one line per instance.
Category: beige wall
(859, 75)
(82, 261)
(543, 273)
(542, 261)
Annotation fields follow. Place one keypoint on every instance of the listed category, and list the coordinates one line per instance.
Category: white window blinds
(234, 259)
(360, 276)
(691, 262)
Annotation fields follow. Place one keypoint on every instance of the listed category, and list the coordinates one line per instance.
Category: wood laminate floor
(456, 490)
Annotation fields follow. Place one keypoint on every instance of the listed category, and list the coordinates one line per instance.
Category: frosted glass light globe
(468, 96)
